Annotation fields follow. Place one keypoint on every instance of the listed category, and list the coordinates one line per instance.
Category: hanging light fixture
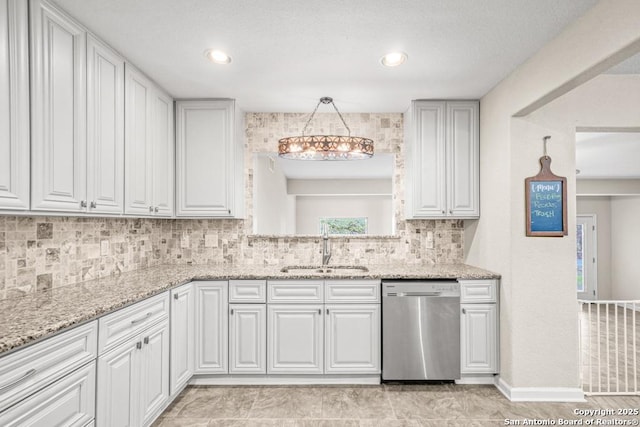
(325, 147)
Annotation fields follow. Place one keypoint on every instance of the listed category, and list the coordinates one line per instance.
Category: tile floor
(392, 405)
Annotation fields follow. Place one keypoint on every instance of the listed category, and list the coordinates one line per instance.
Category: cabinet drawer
(284, 291)
(347, 291)
(248, 291)
(26, 371)
(68, 402)
(124, 324)
(478, 291)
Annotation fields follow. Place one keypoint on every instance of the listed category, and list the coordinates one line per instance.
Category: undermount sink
(325, 269)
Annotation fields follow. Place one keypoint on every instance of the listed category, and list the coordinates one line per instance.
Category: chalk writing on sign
(545, 201)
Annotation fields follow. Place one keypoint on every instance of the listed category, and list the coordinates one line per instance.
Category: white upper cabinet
(442, 151)
(148, 147)
(209, 159)
(14, 105)
(58, 107)
(105, 128)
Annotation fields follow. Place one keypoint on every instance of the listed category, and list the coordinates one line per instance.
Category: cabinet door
(211, 327)
(105, 128)
(163, 152)
(14, 105)
(205, 158)
(295, 339)
(138, 149)
(154, 372)
(479, 342)
(182, 337)
(67, 402)
(352, 339)
(58, 107)
(463, 163)
(247, 339)
(427, 160)
(118, 379)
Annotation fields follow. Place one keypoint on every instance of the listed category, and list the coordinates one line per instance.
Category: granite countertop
(27, 319)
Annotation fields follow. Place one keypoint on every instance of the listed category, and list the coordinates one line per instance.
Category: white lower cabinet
(211, 327)
(67, 402)
(295, 339)
(133, 379)
(182, 337)
(479, 338)
(247, 339)
(479, 327)
(352, 339)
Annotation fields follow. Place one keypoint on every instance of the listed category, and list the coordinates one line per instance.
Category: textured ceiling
(288, 53)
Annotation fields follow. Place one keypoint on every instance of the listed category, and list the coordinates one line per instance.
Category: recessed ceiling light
(393, 59)
(217, 56)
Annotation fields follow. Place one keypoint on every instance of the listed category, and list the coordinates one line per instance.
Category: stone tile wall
(41, 252)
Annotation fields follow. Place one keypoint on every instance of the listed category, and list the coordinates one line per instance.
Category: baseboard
(540, 394)
(283, 379)
(477, 379)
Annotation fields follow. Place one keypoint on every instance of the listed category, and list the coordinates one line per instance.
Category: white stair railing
(609, 338)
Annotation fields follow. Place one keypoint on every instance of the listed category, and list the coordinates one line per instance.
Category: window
(344, 225)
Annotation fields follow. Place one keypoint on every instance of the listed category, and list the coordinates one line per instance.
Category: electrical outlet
(104, 247)
(211, 240)
(429, 241)
(184, 242)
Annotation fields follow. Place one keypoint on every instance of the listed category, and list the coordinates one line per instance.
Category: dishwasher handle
(413, 294)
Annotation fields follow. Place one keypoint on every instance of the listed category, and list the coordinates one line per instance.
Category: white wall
(274, 210)
(377, 209)
(539, 334)
(625, 234)
(601, 207)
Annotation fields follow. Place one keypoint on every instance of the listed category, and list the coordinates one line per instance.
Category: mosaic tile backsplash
(44, 252)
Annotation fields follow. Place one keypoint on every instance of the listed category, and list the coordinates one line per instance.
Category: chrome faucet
(326, 246)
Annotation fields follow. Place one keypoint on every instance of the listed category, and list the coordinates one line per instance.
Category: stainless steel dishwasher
(420, 330)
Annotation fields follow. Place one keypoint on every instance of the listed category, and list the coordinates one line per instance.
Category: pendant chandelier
(325, 147)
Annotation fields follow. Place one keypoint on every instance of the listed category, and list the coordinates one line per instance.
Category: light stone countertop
(27, 319)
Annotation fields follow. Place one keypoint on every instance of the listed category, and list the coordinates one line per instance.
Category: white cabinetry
(182, 337)
(209, 159)
(133, 374)
(211, 327)
(479, 327)
(442, 140)
(247, 338)
(295, 339)
(352, 338)
(14, 105)
(105, 129)
(58, 107)
(149, 150)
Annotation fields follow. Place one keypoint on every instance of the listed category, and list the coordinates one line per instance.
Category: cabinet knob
(229, 211)
(150, 208)
(93, 205)
(146, 340)
(156, 209)
(232, 311)
(464, 311)
(139, 345)
(175, 296)
(327, 311)
(320, 311)
(451, 211)
(83, 203)
(443, 212)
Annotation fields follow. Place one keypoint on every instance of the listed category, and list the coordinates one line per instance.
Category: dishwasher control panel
(420, 288)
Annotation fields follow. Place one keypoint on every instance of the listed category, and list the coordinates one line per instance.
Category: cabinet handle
(464, 311)
(93, 205)
(150, 208)
(83, 203)
(444, 212)
(146, 340)
(451, 211)
(232, 311)
(327, 311)
(156, 209)
(28, 374)
(139, 345)
(320, 311)
(229, 211)
(142, 319)
(175, 296)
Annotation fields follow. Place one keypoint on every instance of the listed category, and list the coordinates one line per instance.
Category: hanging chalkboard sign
(546, 202)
